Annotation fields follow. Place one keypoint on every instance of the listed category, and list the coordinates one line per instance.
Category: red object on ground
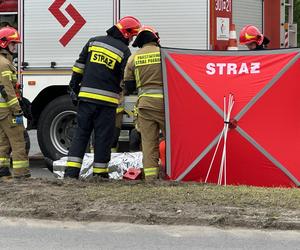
(132, 174)
(263, 140)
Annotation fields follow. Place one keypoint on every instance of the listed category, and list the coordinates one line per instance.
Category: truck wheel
(56, 128)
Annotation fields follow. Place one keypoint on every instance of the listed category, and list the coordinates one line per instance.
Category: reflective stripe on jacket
(8, 99)
(99, 70)
(145, 68)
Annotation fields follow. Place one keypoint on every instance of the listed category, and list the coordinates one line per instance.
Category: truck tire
(56, 127)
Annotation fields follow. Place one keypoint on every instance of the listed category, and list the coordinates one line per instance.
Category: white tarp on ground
(118, 165)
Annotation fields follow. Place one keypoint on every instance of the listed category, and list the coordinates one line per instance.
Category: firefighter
(253, 38)
(11, 115)
(95, 85)
(143, 71)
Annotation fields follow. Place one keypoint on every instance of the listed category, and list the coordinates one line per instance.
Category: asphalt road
(37, 234)
(37, 164)
(39, 170)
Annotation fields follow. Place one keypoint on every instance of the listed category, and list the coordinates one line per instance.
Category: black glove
(73, 92)
(74, 87)
(130, 87)
(25, 105)
(74, 97)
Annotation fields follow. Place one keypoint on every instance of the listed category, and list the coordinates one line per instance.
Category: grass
(241, 196)
(159, 202)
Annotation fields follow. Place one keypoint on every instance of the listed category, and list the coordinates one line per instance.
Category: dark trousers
(99, 118)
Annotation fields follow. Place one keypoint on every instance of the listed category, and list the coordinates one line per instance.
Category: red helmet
(129, 26)
(8, 35)
(143, 36)
(150, 29)
(250, 34)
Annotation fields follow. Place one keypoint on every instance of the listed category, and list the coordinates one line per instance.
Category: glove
(74, 87)
(130, 87)
(17, 119)
(74, 98)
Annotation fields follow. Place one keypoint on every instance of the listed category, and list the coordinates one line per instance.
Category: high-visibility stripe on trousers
(100, 168)
(74, 162)
(151, 172)
(21, 164)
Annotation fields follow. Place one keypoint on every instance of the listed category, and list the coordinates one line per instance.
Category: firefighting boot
(100, 170)
(4, 172)
(102, 175)
(72, 172)
(21, 173)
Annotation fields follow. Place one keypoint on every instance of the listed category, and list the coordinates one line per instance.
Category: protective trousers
(150, 123)
(101, 119)
(12, 141)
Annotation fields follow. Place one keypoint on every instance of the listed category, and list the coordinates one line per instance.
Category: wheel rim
(62, 130)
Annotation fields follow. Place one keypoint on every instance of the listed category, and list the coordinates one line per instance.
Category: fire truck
(54, 32)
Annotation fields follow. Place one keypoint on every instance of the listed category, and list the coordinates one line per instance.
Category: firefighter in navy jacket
(95, 85)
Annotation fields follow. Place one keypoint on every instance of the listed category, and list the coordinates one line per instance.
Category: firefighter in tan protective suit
(143, 71)
(11, 115)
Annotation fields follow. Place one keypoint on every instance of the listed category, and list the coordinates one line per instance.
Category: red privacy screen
(233, 118)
